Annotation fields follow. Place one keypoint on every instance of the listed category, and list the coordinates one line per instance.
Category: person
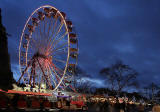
(141, 108)
(14, 101)
(117, 106)
(106, 105)
(122, 107)
(156, 108)
(111, 107)
(59, 104)
(68, 103)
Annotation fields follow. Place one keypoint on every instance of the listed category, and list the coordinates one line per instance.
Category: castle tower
(6, 76)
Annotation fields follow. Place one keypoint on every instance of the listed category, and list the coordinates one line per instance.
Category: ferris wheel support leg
(44, 74)
(73, 89)
(34, 74)
(22, 74)
(30, 79)
(56, 69)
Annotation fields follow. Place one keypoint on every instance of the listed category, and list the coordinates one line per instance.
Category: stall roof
(29, 93)
(98, 96)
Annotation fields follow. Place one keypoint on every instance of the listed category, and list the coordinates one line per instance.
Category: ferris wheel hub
(39, 55)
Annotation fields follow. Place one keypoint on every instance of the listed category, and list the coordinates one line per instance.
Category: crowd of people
(17, 103)
(121, 107)
(114, 107)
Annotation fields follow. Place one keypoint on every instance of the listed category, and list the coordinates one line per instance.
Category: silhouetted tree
(104, 91)
(146, 91)
(111, 77)
(79, 82)
(120, 76)
(153, 90)
(83, 86)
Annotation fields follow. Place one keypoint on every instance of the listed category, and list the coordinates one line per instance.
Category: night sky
(108, 30)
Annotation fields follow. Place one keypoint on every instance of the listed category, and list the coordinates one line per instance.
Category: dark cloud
(108, 30)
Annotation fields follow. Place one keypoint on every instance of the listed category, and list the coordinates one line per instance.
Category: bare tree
(153, 89)
(108, 72)
(120, 76)
(146, 91)
(79, 82)
(83, 86)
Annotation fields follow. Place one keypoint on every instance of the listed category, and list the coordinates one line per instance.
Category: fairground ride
(48, 50)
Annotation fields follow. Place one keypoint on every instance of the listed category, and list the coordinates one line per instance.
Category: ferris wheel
(48, 49)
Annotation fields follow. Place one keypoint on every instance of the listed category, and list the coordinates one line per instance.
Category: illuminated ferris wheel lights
(63, 14)
(41, 16)
(74, 55)
(72, 35)
(46, 9)
(25, 45)
(30, 28)
(35, 21)
(69, 23)
(26, 36)
(48, 12)
(73, 40)
(48, 49)
(73, 49)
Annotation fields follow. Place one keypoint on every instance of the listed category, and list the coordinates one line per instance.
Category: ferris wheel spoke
(57, 76)
(59, 47)
(59, 28)
(37, 33)
(66, 74)
(60, 71)
(53, 30)
(42, 35)
(55, 73)
(58, 53)
(54, 70)
(52, 76)
(56, 42)
(45, 24)
(54, 38)
(42, 80)
(36, 37)
(48, 73)
(23, 72)
(33, 43)
(38, 79)
(51, 22)
(43, 73)
(62, 49)
(40, 30)
(62, 61)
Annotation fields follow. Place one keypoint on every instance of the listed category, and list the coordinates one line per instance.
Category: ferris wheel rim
(22, 35)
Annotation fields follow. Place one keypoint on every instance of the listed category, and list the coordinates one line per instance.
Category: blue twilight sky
(108, 30)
